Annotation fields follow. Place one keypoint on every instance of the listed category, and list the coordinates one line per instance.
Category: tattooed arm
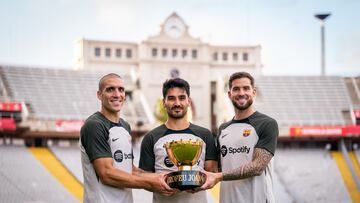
(260, 160)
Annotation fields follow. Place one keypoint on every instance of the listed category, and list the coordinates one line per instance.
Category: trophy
(184, 154)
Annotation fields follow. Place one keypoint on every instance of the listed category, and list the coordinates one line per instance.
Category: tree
(160, 111)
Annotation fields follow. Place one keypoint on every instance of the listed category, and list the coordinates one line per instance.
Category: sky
(41, 33)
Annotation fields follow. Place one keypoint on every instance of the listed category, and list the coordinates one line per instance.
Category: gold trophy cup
(184, 154)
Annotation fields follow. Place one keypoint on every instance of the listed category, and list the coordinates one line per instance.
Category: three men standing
(245, 145)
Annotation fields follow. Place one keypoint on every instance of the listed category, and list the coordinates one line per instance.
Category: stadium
(43, 108)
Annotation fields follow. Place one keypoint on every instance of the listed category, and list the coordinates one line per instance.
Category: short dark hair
(239, 75)
(110, 75)
(175, 82)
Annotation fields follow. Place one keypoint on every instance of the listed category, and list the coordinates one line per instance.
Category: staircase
(353, 86)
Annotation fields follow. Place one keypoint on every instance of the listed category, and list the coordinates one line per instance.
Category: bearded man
(153, 156)
(247, 145)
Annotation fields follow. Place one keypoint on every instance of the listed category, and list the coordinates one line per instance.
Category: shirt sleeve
(126, 125)
(207, 136)
(211, 150)
(147, 156)
(268, 136)
(94, 140)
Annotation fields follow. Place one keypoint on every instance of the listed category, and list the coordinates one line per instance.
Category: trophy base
(186, 179)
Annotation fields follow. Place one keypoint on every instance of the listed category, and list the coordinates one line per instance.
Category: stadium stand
(291, 100)
(357, 154)
(55, 101)
(73, 92)
(310, 175)
(24, 179)
(53, 95)
(70, 157)
(280, 191)
(304, 100)
(353, 85)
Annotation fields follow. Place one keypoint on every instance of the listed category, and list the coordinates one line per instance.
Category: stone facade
(174, 53)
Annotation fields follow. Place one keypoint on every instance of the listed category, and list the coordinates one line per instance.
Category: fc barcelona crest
(246, 132)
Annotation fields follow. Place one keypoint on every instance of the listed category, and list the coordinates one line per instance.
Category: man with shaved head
(106, 151)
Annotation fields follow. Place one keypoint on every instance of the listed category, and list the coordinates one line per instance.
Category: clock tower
(174, 26)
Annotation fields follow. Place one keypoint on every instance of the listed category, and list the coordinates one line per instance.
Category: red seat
(7, 124)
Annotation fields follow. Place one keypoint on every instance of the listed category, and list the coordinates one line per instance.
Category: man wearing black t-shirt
(246, 145)
(106, 151)
(153, 157)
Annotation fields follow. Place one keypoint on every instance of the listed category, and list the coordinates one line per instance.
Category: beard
(173, 114)
(242, 107)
